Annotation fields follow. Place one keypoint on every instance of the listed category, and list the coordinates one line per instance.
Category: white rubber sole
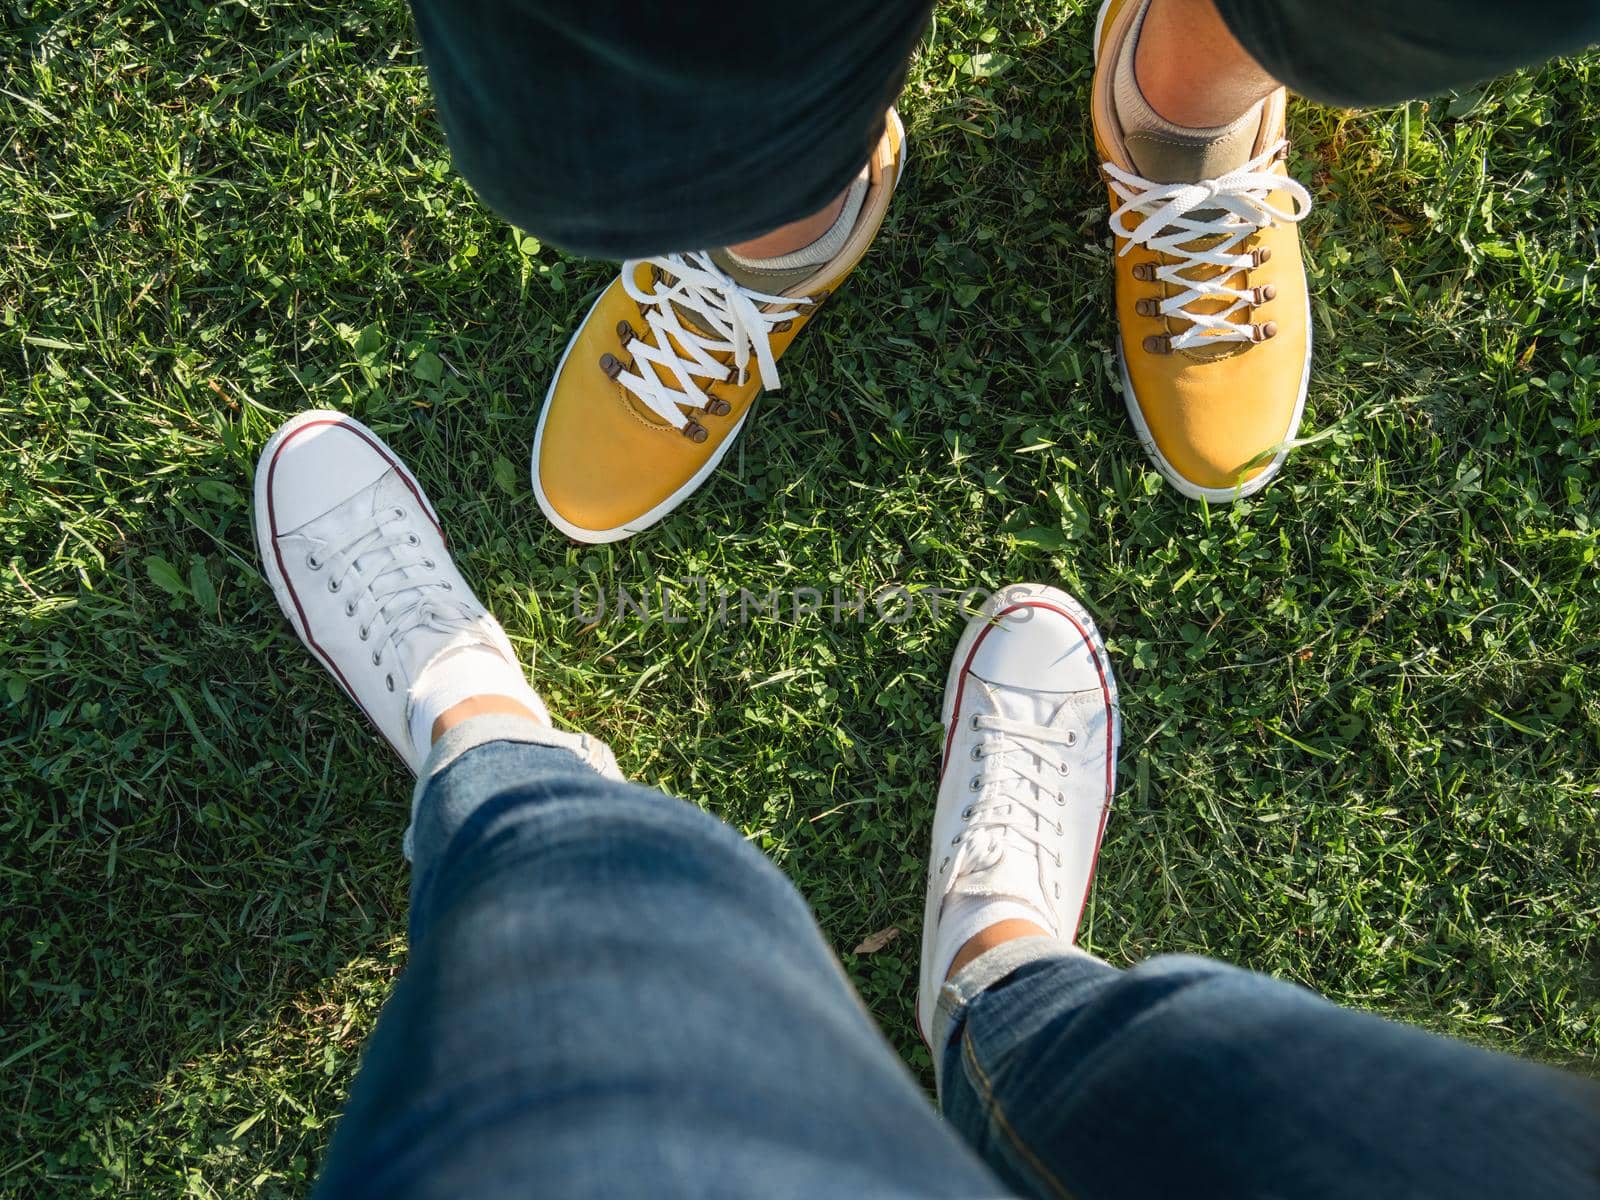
(639, 524)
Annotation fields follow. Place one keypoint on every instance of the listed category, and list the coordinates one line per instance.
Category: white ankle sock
(966, 915)
(825, 247)
(459, 675)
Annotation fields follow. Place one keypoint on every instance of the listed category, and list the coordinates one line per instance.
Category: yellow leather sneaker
(660, 377)
(1211, 297)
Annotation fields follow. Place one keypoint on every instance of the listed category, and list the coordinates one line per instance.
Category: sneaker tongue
(693, 320)
(1173, 158)
(424, 647)
(425, 651)
(1013, 877)
(1166, 157)
(774, 281)
(1042, 709)
(1002, 866)
(361, 510)
(380, 565)
(373, 563)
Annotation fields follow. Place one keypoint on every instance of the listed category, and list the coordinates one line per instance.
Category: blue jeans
(611, 994)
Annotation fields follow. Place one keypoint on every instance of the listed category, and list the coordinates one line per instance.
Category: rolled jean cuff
(502, 727)
(981, 974)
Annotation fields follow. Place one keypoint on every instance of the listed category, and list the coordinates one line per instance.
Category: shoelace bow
(742, 320)
(1018, 751)
(402, 590)
(1239, 206)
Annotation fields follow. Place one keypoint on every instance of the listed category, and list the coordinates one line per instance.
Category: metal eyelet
(377, 658)
(364, 631)
(398, 511)
(1061, 799)
(389, 679)
(977, 753)
(429, 563)
(448, 586)
(944, 864)
(977, 782)
(350, 609)
(413, 539)
(974, 721)
(334, 585)
(956, 841)
(1072, 737)
(966, 813)
(313, 562)
(1062, 767)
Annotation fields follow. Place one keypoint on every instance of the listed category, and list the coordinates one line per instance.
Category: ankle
(796, 235)
(997, 934)
(482, 706)
(1192, 70)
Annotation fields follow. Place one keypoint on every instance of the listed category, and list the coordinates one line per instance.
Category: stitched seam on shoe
(1185, 141)
(626, 401)
(997, 1116)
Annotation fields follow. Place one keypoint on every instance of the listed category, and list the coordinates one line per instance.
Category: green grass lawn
(1361, 712)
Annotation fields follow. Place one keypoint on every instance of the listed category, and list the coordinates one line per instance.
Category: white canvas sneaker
(355, 555)
(1030, 760)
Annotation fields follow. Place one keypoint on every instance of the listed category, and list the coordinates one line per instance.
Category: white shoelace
(402, 589)
(735, 314)
(1019, 751)
(1237, 205)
